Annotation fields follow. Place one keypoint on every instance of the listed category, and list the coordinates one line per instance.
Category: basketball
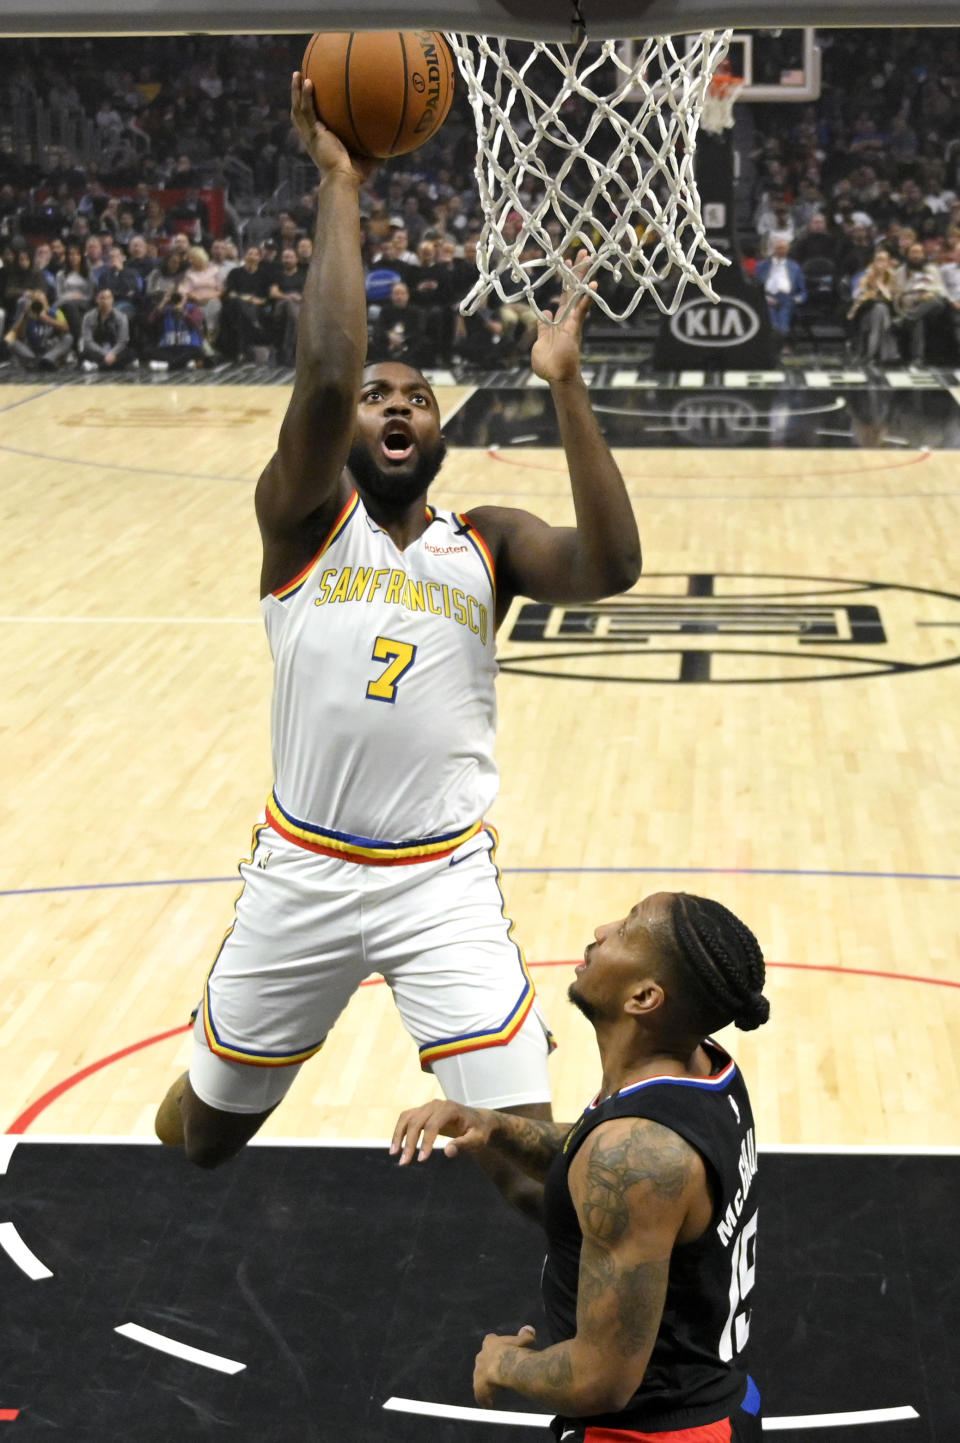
(382, 92)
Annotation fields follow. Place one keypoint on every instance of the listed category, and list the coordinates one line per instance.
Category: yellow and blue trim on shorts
(215, 1042)
(365, 850)
(284, 593)
(249, 1055)
(496, 1037)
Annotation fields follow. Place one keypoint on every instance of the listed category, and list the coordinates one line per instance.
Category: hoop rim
(720, 85)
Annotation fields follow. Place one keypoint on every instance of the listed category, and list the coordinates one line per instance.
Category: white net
(718, 103)
(579, 149)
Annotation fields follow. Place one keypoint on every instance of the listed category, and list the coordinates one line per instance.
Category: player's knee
(209, 1152)
(211, 1136)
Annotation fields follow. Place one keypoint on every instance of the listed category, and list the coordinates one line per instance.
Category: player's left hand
(556, 351)
(485, 1368)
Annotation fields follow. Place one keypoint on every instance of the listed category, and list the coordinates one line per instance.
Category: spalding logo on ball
(382, 92)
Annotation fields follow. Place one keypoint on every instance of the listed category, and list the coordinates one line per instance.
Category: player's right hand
(326, 151)
(417, 1129)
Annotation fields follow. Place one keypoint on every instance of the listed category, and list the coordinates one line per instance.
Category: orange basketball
(382, 92)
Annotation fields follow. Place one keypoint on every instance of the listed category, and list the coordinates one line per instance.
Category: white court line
(18, 1252)
(840, 1420)
(861, 1149)
(485, 1415)
(542, 1420)
(130, 620)
(179, 1350)
(457, 406)
(842, 1149)
(112, 1139)
(7, 1144)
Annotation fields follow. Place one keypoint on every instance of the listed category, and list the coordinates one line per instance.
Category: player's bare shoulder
(633, 1164)
(501, 525)
(287, 549)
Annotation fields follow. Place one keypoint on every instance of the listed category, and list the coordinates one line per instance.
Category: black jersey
(696, 1373)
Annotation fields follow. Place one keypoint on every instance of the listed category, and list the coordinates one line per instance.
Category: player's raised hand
(417, 1130)
(327, 152)
(556, 351)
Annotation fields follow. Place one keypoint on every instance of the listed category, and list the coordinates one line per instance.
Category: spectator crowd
(856, 203)
(855, 211)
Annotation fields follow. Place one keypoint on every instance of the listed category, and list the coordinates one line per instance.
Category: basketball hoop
(718, 103)
(569, 158)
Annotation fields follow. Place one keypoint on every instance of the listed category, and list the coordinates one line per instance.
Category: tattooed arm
(637, 1188)
(528, 1143)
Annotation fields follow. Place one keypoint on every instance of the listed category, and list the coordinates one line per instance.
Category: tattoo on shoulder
(649, 1153)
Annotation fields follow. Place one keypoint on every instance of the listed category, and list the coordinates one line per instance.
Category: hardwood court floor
(134, 694)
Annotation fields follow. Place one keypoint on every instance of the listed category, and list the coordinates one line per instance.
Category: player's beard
(395, 488)
(590, 1012)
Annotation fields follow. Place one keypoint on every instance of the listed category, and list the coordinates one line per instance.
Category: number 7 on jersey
(401, 656)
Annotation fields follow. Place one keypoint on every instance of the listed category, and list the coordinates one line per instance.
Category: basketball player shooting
(381, 612)
(650, 1199)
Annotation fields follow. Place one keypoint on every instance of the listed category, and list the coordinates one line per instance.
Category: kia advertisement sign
(727, 322)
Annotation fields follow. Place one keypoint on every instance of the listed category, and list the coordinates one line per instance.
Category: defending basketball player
(381, 612)
(649, 1199)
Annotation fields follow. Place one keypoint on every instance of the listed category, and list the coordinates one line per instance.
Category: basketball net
(578, 149)
(722, 92)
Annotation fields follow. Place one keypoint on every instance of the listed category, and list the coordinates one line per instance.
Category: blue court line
(27, 400)
(534, 871)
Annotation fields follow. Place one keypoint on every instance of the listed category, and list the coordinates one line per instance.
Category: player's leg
(208, 1135)
(466, 997)
(492, 1077)
(283, 975)
(212, 1134)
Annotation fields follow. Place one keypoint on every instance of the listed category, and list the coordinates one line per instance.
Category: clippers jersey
(696, 1373)
(384, 711)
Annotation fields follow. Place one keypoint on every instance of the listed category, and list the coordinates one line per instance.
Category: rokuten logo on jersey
(729, 628)
(365, 583)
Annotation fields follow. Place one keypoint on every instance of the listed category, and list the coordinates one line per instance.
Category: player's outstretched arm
(601, 555)
(303, 477)
(632, 1184)
(525, 1141)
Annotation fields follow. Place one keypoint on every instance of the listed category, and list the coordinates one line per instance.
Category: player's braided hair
(725, 958)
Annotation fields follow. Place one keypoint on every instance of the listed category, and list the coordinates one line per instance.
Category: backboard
(774, 65)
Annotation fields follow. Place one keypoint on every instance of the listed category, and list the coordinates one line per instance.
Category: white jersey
(384, 710)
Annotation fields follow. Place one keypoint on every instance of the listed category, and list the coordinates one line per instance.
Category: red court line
(7, 1415)
(30, 1114)
(21, 1123)
(509, 458)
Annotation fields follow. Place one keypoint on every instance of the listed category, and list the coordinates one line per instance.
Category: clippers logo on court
(727, 322)
(730, 628)
(715, 420)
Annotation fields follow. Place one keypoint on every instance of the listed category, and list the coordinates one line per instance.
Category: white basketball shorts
(308, 929)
